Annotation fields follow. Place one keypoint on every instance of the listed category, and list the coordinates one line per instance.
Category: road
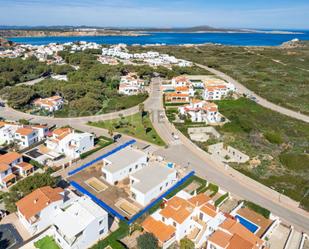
(31, 82)
(12, 114)
(184, 152)
(261, 101)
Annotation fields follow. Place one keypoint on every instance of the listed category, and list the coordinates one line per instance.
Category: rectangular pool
(247, 224)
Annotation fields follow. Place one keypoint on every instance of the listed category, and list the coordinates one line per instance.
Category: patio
(255, 218)
(117, 197)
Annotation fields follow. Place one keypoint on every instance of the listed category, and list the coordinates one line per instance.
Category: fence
(102, 157)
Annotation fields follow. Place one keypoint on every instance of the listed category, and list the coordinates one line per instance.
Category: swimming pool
(247, 224)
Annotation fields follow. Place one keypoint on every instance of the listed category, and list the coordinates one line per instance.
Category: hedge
(221, 199)
(260, 210)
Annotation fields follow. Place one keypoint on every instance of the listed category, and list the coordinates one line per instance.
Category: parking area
(279, 237)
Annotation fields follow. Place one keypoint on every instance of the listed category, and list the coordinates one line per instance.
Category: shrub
(147, 240)
(256, 208)
(221, 199)
(186, 244)
(273, 137)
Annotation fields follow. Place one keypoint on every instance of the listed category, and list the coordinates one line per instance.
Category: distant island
(42, 31)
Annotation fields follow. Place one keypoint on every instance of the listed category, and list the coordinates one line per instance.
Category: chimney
(35, 201)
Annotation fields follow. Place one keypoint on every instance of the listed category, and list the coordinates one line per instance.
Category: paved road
(263, 102)
(186, 153)
(12, 114)
(31, 82)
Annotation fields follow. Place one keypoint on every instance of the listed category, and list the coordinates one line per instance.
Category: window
(163, 219)
(174, 224)
(136, 166)
(100, 222)
(166, 184)
(160, 188)
(130, 169)
(102, 231)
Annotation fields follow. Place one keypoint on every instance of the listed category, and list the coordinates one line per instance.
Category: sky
(272, 14)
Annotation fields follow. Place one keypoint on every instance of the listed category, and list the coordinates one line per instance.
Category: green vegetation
(256, 208)
(279, 142)
(25, 187)
(46, 243)
(275, 73)
(113, 239)
(100, 143)
(212, 188)
(14, 71)
(137, 125)
(186, 244)
(221, 199)
(284, 158)
(147, 240)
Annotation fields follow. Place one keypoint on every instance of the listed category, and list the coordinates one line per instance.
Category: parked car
(116, 137)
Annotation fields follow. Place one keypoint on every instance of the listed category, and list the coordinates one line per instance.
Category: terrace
(118, 197)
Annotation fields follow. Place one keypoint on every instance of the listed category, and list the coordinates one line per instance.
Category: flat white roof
(77, 216)
(151, 176)
(121, 159)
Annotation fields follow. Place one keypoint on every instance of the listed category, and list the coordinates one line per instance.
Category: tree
(186, 244)
(111, 131)
(147, 241)
(25, 187)
(141, 109)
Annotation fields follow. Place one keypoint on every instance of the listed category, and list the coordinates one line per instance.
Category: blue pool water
(246, 223)
(241, 39)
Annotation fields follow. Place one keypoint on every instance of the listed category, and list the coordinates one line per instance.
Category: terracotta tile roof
(199, 199)
(161, 231)
(2, 124)
(24, 131)
(220, 238)
(61, 131)
(182, 88)
(239, 243)
(36, 201)
(209, 209)
(234, 227)
(9, 178)
(25, 166)
(3, 167)
(177, 209)
(9, 157)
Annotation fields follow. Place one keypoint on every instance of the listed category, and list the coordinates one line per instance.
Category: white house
(26, 136)
(23, 135)
(201, 111)
(79, 224)
(120, 165)
(216, 89)
(130, 85)
(151, 181)
(180, 81)
(7, 132)
(182, 216)
(50, 104)
(12, 166)
(72, 144)
(35, 211)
